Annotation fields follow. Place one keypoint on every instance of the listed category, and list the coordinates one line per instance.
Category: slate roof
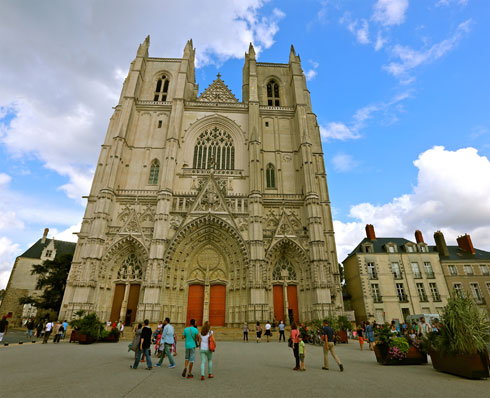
(456, 254)
(61, 247)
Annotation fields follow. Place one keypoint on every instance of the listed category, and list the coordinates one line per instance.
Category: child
(301, 350)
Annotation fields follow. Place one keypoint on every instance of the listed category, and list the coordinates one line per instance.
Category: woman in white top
(206, 354)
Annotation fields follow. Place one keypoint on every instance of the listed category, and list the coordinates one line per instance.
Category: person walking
(121, 330)
(370, 335)
(258, 331)
(302, 353)
(245, 332)
(136, 339)
(144, 347)
(295, 340)
(166, 343)
(191, 336)
(282, 326)
(268, 332)
(59, 331)
(329, 346)
(65, 328)
(4, 327)
(48, 328)
(360, 336)
(424, 327)
(205, 337)
(30, 328)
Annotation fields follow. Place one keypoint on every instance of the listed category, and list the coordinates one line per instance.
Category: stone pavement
(241, 370)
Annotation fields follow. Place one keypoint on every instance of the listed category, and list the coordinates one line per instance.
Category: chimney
(464, 243)
(441, 246)
(418, 237)
(370, 232)
(45, 235)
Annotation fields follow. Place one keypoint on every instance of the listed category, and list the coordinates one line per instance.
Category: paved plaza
(241, 370)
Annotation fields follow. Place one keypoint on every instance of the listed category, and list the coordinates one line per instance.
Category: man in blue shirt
(191, 340)
(328, 345)
(166, 342)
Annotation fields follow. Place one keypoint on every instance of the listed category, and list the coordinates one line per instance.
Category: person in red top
(295, 338)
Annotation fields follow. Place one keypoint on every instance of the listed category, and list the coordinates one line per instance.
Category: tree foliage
(51, 280)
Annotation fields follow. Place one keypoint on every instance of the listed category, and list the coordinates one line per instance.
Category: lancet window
(270, 176)
(273, 93)
(154, 171)
(161, 89)
(130, 269)
(284, 267)
(214, 148)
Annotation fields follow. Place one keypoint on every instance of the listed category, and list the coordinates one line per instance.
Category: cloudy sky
(401, 90)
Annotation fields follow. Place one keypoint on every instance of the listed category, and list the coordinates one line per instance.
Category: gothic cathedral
(206, 207)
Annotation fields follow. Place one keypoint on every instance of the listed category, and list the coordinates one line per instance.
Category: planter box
(85, 339)
(342, 337)
(471, 366)
(109, 339)
(74, 336)
(414, 356)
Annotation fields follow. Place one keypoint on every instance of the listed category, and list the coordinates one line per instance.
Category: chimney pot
(441, 246)
(370, 234)
(45, 235)
(418, 236)
(464, 243)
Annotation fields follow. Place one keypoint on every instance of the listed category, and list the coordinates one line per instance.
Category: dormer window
(273, 93)
(368, 249)
(390, 248)
(410, 249)
(161, 89)
(49, 253)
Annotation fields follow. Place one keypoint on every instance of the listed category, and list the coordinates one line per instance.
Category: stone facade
(22, 283)
(390, 278)
(207, 207)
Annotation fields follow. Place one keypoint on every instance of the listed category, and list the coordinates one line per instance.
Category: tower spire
(143, 47)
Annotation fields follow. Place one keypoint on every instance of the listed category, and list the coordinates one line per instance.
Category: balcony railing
(378, 299)
(417, 275)
(403, 298)
(423, 298)
(397, 275)
(373, 275)
(436, 297)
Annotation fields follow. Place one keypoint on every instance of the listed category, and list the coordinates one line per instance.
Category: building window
(396, 270)
(416, 270)
(154, 171)
(458, 289)
(161, 89)
(284, 270)
(423, 249)
(435, 293)
(421, 292)
(130, 269)
(428, 270)
(410, 249)
(453, 271)
(371, 269)
(214, 148)
(49, 253)
(376, 293)
(468, 270)
(488, 288)
(368, 249)
(400, 291)
(159, 124)
(475, 290)
(391, 249)
(484, 269)
(270, 176)
(273, 93)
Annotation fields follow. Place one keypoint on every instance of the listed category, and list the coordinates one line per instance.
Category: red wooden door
(278, 292)
(217, 305)
(134, 295)
(293, 301)
(195, 303)
(117, 301)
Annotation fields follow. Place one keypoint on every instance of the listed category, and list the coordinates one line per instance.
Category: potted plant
(343, 324)
(75, 324)
(88, 328)
(110, 337)
(392, 350)
(459, 346)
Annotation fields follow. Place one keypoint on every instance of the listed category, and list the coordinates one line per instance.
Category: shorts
(268, 333)
(259, 335)
(302, 357)
(190, 354)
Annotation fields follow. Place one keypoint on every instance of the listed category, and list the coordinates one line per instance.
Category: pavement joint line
(137, 385)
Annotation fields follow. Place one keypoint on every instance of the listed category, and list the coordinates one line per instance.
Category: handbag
(290, 342)
(212, 343)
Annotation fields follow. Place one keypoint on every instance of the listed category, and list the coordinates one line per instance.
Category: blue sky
(401, 90)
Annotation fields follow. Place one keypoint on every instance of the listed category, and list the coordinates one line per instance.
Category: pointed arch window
(273, 93)
(130, 268)
(214, 148)
(161, 89)
(284, 270)
(154, 172)
(270, 176)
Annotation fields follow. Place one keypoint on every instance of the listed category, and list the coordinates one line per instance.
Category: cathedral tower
(206, 207)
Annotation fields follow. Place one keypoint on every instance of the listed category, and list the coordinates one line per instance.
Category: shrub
(398, 348)
(89, 325)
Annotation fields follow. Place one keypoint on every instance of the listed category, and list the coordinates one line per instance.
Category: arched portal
(205, 273)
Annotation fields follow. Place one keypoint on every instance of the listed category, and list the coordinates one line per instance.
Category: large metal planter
(342, 337)
(85, 339)
(471, 366)
(414, 356)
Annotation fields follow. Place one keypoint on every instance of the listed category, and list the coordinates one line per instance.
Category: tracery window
(130, 268)
(161, 89)
(270, 176)
(214, 147)
(154, 171)
(283, 264)
(273, 93)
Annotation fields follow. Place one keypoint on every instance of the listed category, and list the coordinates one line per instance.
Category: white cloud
(8, 252)
(390, 12)
(410, 58)
(450, 195)
(343, 162)
(312, 72)
(358, 27)
(451, 2)
(380, 42)
(338, 131)
(67, 234)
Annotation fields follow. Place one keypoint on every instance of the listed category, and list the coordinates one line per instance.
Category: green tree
(51, 279)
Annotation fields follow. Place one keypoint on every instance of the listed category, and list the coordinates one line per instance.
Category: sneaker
(148, 368)
(131, 367)
(190, 376)
(210, 376)
(324, 368)
(203, 378)
(184, 372)
(341, 367)
(172, 366)
(157, 365)
(296, 368)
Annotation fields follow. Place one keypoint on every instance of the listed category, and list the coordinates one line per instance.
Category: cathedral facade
(206, 207)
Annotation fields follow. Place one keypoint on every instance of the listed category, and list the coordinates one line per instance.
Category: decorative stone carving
(287, 157)
(217, 91)
(175, 222)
